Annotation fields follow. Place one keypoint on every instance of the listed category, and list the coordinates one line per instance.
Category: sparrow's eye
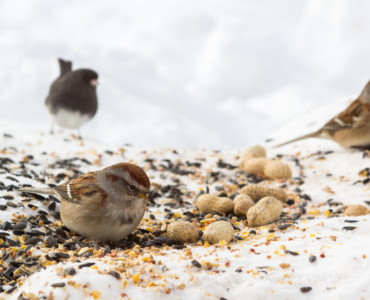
(132, 187)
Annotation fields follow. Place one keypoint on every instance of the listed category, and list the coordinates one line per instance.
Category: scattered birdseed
(312, 258)
(60, 284)
(195, 263)
(306, 289)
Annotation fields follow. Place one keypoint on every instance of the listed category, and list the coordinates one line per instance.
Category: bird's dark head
(87, 76)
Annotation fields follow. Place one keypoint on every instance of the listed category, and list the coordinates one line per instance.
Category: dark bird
(350, 128)
(72, 99)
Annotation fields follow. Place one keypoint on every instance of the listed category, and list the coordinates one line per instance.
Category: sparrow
(105, 205)
(350, 128)
(72, 99)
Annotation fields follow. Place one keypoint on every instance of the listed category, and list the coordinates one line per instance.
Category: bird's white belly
(70, 119)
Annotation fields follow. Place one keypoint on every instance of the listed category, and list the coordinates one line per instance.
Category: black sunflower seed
(12, 178)
(11, 204)
(35, 232)
(59, 231)
(238, 270)
(6, 225)
(51, 241)
(87, 254)
(13, 243)
(61, 254)
(33, 241)
(59, 284)
(351, 221)
(195, 263)
(115, 274)
(306, 289)
(86, 265)
(18, 232)
(284, 226)
(52, 206)
(3, 207)
(106, 250)
(70, 271)
(349, 228)
(7, 197)
(312, 258)
(291, 252)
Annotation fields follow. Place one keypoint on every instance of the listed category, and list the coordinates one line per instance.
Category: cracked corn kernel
(136, 278)
(282, 247)
(327, 213)
(284, 266)
(206, 245)
(151, 284)
(145, 258)
(124, 284)
(96, 294)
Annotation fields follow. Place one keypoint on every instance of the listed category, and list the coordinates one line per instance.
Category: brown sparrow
(350, 128)
(105, 205)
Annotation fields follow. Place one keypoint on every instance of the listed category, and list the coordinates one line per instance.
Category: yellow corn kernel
(94, 267)
(136, 278)
(177, 215)
(327, 213)
(206, 244)
(312, 235)
(150, 284)
(222, 243)
(96, 294)
(145, 258)
(124, 284)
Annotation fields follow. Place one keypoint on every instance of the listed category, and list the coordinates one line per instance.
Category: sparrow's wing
(347, 118)
(75, 190)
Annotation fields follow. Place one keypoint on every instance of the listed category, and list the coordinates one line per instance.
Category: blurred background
(188, 74)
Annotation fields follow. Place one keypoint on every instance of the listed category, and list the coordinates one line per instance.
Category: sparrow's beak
(146, 196)
(93, 82)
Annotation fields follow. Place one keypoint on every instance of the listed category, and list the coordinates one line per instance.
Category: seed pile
(217, 241)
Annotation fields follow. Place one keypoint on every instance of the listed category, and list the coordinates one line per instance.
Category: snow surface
(220, 74)
(342, 274)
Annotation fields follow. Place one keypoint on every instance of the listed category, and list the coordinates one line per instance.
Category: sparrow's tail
(316, 134)
(65, 66)
(37, 191)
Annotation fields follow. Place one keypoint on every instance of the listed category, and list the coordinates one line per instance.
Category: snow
(192, 76)
(341, 274)
(185, 74)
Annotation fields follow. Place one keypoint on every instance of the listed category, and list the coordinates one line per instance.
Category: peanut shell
(256, 192)
(209, 202)
(256, 165)
(355, 210)
(242, 203)
(277, 170)
(218, 231)
(251, 152)
(265, 211)
(183, 231)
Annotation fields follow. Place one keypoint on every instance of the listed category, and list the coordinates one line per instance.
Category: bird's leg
(79, 134)
(52, 128)
(365, 148)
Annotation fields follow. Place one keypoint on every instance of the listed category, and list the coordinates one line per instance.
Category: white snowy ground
(342, 272)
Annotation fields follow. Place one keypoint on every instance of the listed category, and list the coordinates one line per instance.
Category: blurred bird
(72, 99)
(350, 128)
